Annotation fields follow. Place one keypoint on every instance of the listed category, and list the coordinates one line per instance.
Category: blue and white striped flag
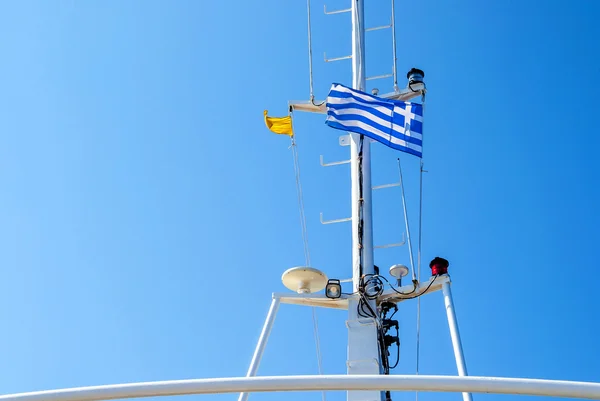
(394, 123)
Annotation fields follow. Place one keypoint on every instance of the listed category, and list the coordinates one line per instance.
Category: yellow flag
(279, 125)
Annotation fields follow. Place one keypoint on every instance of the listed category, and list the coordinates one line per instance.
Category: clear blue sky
(146, 214)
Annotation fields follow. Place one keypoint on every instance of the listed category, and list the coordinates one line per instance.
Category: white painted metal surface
(262, 343)
(358, 82)
(308, 106)
(304, 279)
(363, 347)
(346, 10)
(332, 163)
(396, 184)
(494, 385)
(343, 220)
(394, 245)
(320, 107)
(454, 334)
(425, 287)
(330, 60)
(318, 300)
(406, 94)
(394, 66)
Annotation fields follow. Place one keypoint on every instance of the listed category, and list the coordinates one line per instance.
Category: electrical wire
(400, 292)
(300, 202)
(383, 352)
(398, 350)
(379, 286)
(385, 308)
(318, 346)
(364, 308)
(360, 205)
(424, 291)
(371, 286)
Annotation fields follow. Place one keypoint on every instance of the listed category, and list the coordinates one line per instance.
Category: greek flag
(394, 123)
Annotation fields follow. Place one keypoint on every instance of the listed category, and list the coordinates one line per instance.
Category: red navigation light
(439, 266)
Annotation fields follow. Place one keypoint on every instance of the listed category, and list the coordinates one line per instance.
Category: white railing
(474, 384)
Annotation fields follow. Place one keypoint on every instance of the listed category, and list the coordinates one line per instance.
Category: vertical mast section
(363, 346)
(360, 162)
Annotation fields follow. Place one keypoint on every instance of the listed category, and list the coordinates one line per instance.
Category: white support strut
(455, 335)
(493, 385)
(262, 343)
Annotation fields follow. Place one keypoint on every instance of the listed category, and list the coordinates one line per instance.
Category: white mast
(363, 346)
(360, 200)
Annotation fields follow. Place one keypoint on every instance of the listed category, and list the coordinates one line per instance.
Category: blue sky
(147, 214)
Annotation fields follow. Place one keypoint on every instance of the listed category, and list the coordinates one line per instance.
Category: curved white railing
(498, 385)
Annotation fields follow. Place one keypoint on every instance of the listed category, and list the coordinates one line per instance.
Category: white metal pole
(395, 69)
(410, 250)
(360, 160)
(262, 343)
(363, 347)
(455, 335)
(492, 385)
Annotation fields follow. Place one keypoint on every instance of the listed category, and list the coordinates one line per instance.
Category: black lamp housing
(415, 76)
(333, 289)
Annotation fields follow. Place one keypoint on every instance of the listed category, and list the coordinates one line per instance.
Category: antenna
(304, 280)
(398, 271)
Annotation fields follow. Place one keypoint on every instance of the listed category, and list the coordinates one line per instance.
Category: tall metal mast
(366, 344)
(363, 347)
(360, 162)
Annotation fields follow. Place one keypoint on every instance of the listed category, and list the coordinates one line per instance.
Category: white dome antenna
(304, 280)
(398, 271)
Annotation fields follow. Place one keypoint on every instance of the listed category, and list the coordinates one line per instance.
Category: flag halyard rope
(303, 227)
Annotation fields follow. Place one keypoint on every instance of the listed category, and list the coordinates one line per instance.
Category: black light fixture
(415, 76)
(333, 289)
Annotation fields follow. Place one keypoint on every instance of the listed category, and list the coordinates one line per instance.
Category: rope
(300, 202)
(318, 346)
(307, 253)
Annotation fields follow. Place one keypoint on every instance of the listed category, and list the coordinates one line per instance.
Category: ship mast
(368, 342)
(360, 162)
(363, 346)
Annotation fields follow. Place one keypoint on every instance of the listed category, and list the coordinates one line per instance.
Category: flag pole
(360, 163)
(363, 346)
